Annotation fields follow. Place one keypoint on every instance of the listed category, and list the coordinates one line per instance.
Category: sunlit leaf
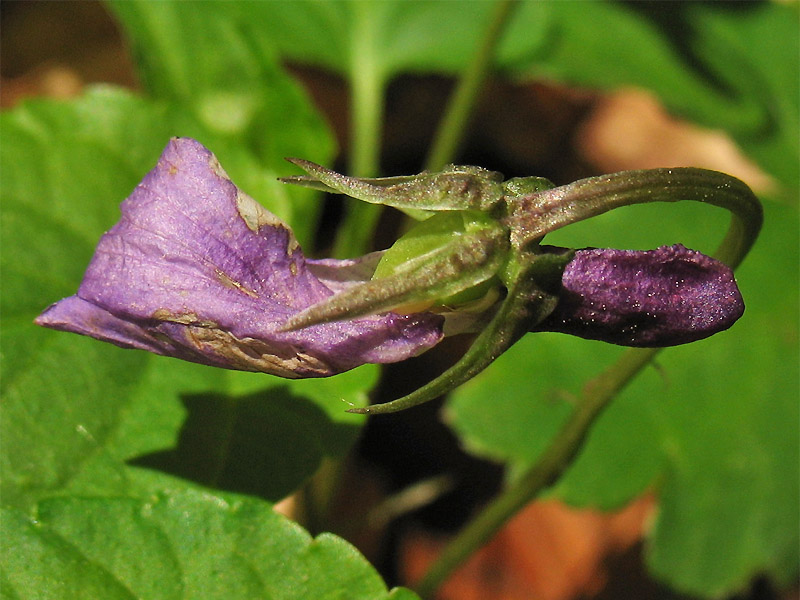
(177, 545)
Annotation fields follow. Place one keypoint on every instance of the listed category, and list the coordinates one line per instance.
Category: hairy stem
(462, 104)
(746, 219)
(538, 214)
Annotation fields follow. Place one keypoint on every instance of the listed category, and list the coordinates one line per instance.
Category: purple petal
(198, 270)
(661, 297)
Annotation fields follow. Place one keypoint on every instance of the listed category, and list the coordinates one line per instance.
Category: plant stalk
(462, 104)
(367, 91)
(596, 396)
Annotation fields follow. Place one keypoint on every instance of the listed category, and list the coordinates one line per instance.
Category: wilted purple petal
(198, 270)
(663, 297)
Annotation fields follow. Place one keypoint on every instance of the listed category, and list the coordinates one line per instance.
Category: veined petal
(198, 270)
(663, 297)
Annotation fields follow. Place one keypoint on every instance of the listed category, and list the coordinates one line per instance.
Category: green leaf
(713, 428)
(217, 62)
(76, 411)
(177, 545)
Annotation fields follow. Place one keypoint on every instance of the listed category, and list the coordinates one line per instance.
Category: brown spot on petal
(228, 281)
(217, 169)
(256, 216)
(162, 314)
(253, 355)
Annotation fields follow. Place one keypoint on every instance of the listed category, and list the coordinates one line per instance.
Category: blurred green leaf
(713, 429)
(387, 37)
(725, 65)
(218, 63)
(728, 65)
(177, 545)
(74, 410)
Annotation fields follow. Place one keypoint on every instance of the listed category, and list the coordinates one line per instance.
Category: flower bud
(663, 297)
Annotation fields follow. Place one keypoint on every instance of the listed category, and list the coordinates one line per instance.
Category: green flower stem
(367, 91)
(746, 220)
(462, 104)
(367, 87)
(561, 206)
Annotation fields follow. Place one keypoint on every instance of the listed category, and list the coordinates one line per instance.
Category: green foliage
(99, 445)
(698, 58)
(386, 38)
(183, 545)
(84, 419)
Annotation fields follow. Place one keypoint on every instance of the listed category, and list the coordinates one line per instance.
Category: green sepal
(532, 296)
(424, 267)
(453, 188)
(431, 234)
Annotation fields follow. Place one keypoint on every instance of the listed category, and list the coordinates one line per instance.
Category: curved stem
(746, 219)
(533, 216)
(453, 126)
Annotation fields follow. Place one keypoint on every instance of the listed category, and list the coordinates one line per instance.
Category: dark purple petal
(661, 297)
(198, 270)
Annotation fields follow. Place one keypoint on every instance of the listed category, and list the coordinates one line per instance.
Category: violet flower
(198, 270)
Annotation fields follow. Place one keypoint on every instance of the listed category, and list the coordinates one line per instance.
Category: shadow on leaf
(264, 444)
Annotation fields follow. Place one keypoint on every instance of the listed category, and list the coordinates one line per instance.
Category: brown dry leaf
(630, 129)
(549, 551)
